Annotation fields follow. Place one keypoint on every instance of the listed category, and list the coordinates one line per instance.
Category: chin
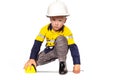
(56, 29)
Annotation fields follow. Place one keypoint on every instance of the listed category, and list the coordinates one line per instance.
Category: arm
(35, 49)
(76, 57)
(33, 56)
(74, 49)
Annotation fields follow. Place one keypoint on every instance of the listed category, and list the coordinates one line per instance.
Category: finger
(26, 65)
(35, 64)
(30, 65)
(76, 71)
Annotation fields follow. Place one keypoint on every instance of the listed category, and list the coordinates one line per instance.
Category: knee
(61, 38)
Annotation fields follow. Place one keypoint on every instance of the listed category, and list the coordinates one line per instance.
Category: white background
(96, 28)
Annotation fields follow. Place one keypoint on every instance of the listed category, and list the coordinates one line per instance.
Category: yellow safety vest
(51, 35)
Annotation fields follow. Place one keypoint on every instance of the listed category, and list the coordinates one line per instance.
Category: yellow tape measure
(31, 69)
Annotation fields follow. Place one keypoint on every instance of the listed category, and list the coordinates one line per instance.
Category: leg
(44, 58)
(61, 47)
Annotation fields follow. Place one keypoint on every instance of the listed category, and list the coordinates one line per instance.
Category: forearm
(35, 49)
(75, 54)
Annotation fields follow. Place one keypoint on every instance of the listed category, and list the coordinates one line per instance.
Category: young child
(59, 39)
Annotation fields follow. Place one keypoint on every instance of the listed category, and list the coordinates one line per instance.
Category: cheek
(61, 24)
(52, 23)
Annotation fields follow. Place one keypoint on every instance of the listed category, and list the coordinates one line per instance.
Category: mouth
(56, 28)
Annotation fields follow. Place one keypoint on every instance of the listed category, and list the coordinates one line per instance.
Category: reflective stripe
(69, 37)
(51, 41)
(50, 47)
(40, 35)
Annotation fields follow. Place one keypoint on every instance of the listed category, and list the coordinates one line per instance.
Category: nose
(56, 22)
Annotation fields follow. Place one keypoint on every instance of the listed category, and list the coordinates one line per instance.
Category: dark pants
(59, 52)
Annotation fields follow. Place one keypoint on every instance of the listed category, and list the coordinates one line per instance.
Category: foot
(62, 68)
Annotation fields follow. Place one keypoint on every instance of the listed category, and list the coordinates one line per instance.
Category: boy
(59, 39)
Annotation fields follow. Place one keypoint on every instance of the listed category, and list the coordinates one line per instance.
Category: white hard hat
(57, 8)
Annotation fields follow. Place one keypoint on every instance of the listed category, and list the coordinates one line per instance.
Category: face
(57, 22)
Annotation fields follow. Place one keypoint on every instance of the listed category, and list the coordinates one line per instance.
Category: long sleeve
(75, 54)
(35, 49)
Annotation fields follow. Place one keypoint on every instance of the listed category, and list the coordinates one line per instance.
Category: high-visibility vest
(51, 35)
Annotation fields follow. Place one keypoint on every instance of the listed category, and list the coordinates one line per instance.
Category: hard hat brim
(58, 15)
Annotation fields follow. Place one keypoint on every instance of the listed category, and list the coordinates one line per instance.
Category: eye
(60, 20)
(53, 19)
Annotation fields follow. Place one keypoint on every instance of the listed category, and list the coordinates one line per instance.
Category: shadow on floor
(53, 71)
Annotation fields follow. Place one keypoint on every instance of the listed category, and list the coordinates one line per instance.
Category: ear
(50, 18)
(65, 20)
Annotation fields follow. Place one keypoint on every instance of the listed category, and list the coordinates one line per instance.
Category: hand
(29, 63)
(76, 68)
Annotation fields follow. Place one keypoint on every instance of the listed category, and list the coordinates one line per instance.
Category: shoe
(62, 68)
